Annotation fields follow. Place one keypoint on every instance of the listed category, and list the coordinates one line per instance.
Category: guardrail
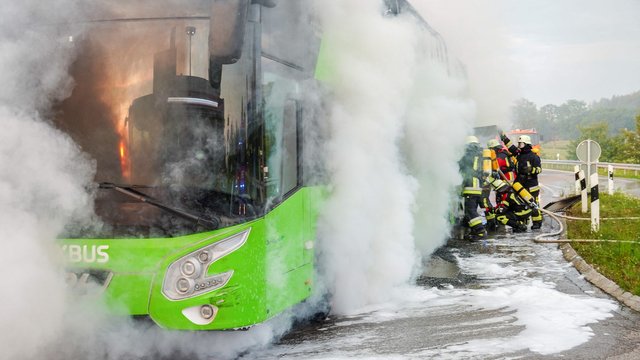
(602, 165)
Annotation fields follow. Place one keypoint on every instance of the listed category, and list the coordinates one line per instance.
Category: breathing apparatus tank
(524, 194)
(486, 161)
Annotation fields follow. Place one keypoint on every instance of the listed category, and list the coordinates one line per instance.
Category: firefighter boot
(536, 225)
(477, 233)
(492, 225)
(517, 226)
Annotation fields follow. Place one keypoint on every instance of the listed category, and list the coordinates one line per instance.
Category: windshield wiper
(129, 191)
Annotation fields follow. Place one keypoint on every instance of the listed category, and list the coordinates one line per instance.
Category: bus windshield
(143, 107)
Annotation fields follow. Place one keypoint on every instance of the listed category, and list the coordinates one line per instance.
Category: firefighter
(512, 210)
(489, 211)
(472, 179)
(502, 160)
(527, 169)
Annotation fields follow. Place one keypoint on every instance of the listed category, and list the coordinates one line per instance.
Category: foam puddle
(516, 309)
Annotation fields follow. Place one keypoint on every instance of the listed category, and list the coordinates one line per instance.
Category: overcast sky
(547, 51)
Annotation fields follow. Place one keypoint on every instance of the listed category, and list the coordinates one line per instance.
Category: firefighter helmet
(525, 139)
(472, 140)
(492, 143)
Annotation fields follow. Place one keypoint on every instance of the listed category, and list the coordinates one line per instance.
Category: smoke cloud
(473, 31)
(46, 183)
(396, 121)
(44, 178)
(34, 56)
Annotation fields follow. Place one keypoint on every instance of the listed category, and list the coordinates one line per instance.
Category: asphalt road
(506, 298)
(557, 184)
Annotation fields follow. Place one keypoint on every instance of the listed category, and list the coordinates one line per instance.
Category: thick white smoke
(474, 32)
(396, 121)
(438, 116)
(45, 183)
(33, 54)
(43, 175)
(42, 186)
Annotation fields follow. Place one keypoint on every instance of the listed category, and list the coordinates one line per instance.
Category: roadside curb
(597, 279)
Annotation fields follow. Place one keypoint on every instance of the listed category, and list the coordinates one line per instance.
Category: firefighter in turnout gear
(512, 211)
(527, 169)
(501, 160)
(489, 211)
(472, 179)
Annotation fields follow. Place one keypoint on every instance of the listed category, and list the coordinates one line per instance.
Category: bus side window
(281, 140)
(289, 176)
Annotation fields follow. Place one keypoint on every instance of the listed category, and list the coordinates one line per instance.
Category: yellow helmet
(493, 143)
(497, 184)
(524, 139)
(472, 140)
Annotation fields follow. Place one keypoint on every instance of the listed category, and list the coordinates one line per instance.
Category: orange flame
(127, 76)
(124, 159)
(124, 89)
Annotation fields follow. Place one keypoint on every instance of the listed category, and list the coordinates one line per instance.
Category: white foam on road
(553, 321)
(517, 286)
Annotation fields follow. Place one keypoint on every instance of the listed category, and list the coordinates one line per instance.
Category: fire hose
(524, 195)
(539, 238)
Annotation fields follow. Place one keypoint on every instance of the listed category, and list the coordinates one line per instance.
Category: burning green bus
(197, 116)
(194, 113)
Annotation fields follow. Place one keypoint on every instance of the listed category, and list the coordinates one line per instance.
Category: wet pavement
(507, 297)
(558, 184)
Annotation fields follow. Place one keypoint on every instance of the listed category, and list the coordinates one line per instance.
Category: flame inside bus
(124, 160)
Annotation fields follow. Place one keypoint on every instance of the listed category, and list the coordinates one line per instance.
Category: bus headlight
(184, 285)
(187, 277)
(190, 267)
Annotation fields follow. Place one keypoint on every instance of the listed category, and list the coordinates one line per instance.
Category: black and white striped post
(583, 191)
(576, 172)
(595, 204)
(588, 151)
(610, 187)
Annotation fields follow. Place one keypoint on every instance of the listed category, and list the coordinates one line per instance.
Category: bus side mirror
(226, 34)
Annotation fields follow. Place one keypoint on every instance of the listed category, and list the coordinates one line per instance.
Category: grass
(620, 173)
(551, 149)
(619, 262)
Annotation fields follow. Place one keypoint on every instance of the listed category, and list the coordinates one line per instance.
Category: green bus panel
(272, 270)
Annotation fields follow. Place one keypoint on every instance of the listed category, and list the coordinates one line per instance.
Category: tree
(548, 121)
(598, 132)
(564, 122)
(570, 116)
(628, 143)
(524, 114)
